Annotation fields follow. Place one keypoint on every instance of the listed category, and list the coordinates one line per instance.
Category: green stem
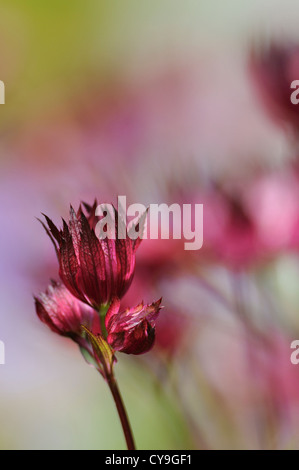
(102, 314)
(122, 413)
(115, 390)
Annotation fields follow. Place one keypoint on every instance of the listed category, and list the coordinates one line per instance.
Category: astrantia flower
(64, 314)
(97, 271)
(94, 270)
(132, 331)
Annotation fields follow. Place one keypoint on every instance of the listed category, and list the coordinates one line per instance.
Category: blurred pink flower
(172, 332)
(230, 232)
(273, 204)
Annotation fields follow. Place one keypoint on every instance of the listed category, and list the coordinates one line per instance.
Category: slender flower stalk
(122, 413)
(103, 353)
(102, 315)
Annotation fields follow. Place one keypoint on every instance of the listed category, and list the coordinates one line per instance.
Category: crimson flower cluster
(95, 274)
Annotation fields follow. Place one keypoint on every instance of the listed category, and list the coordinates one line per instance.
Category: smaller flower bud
(63, 313)
(133, 330)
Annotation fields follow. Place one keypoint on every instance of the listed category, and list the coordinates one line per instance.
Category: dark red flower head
(64, 314)
(133, 330)
(94, 270)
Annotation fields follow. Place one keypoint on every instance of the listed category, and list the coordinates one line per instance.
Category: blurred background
(161, 101)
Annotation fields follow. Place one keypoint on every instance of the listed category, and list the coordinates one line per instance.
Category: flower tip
(72, 211)
(157, 305)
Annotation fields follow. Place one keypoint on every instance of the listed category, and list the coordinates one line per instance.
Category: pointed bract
(103, 353)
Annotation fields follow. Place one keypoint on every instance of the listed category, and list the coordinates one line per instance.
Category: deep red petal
(92, 263)
(138, 340)
(69, 265)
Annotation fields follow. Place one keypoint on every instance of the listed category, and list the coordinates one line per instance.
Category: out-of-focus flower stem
(121, 412)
